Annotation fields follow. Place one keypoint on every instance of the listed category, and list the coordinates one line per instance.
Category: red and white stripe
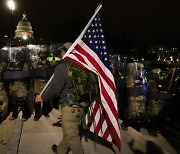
(103, 112)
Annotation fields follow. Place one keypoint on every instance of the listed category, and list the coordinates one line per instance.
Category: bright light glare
(24, 37)
(11, 5)
(5, 48)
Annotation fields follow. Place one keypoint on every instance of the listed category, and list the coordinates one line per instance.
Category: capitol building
(23, 35)
(24, 29)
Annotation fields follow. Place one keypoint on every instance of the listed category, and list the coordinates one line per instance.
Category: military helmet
(156, 71)
(66, 46)
(43, 49)
(17, 55)
(42, 52)
(130, 59)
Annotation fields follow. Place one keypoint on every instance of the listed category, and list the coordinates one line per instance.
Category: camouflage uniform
(18, 87)
(41, 76)
(3, 95)
(156, 102)
(136, 93)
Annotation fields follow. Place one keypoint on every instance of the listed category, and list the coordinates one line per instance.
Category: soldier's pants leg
(37, 109)
(46, 108)
(3, 115)
(56, 103)
(3, 111)
(70, 126)
(63, 147)
(15, 108)
(135, 123)
(155, 124)
(25, 108)
(152, 128)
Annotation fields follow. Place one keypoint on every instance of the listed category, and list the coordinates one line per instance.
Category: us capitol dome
(24, 29)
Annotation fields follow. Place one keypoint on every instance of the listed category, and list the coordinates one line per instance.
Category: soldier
(174, 107)
(136, 93)
(3, 95)
(41, 72)
(17, 74)
(54, 61)
(118, 63)
(156, 102)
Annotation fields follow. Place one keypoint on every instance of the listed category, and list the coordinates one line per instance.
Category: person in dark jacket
(61, 85)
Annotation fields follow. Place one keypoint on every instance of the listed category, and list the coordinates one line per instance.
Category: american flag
(90, 52)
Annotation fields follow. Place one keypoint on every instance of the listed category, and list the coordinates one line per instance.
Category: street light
(11, 6)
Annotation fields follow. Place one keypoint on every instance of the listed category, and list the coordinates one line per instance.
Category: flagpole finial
(84, 30)
(98, 8)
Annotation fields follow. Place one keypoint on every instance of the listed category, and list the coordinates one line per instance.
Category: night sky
(125, 22)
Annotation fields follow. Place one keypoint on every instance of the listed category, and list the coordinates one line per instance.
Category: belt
(160, 96)
(42, 73)
(73, 105)
(16, 75)
(0, 76)
(134, 91)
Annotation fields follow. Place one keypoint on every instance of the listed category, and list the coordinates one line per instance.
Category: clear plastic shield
(135, 75)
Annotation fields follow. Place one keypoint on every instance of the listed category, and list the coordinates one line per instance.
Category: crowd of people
(143, 98)
(21, 80)
(146, 99)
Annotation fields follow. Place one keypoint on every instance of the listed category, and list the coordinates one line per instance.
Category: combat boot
(12, 118)
(45, 109)
(15, 110)
(54, 148)
(124, 126)
(25, 110)
(24, 119)
(58, 124)
(37, 108)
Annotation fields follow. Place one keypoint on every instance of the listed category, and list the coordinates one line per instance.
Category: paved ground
(6, 132)
(33, 137)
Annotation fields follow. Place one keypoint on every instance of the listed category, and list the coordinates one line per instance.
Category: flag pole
(46, 85)
(84, 30)
(72, 46)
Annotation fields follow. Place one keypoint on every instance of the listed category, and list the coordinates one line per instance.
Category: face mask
(42, 56)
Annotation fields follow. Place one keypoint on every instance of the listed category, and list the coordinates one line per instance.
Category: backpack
(84, 82)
